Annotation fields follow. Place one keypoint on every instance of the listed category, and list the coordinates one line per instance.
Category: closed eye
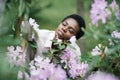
(71, 30)
(64, 23)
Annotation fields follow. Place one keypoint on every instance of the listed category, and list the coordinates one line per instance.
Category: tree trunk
(80, 7)
(80, 11)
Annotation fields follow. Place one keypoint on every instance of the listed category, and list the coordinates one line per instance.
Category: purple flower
(116, 34)
(96, 51)
(99, 12)
(16, 56)
(72, 62)
(99, 49)
(118, 14)
(39, 74)
(115, 8)
(59, 74)
(101, 76)
(78, 69)
(114, 5)
(42, 69)
(33, 23)
(69, 56)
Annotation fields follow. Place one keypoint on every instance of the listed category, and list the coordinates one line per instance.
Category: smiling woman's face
(67, 29)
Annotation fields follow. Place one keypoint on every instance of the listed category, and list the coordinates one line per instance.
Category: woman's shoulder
(45, 31)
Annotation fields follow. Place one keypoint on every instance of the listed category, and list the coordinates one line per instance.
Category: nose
(65, 28)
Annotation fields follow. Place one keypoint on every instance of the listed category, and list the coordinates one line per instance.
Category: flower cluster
(33, 23)
(16, 56)
(102, 11)
(98, 50)
(115, 34)
(72, 61)
(42, 69)
(115, 38)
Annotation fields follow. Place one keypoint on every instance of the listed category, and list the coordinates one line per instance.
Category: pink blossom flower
(78, 69)
(116, 34)
(59, 74)
(101, 76)
(33, 23)
(42, 69)
(98, 12)
(69, 55)
(16, 56)
(99, 49)
(96, 51)
(114, 5)
(39, 74)
(71, 60)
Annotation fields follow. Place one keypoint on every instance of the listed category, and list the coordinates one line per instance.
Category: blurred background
(47, 13)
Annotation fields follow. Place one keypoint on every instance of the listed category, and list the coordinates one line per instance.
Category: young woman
(70, 26)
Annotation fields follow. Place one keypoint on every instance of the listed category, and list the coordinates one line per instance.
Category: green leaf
(54, 50)
(62, 47)
(33, 44)
(21, 8)
(72, 47)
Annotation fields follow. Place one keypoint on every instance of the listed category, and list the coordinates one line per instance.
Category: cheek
(68, 35)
